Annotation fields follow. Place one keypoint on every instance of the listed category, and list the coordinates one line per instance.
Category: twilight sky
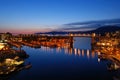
(29, 16)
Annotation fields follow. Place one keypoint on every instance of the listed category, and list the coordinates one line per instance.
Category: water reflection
(80, 47)
(72, 51)
(110, 55)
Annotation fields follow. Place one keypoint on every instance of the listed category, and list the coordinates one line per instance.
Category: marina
(76, 52)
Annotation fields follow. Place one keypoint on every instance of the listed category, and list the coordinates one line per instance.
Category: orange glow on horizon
(24, 31)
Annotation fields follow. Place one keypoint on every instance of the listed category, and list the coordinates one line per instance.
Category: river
(77, 63)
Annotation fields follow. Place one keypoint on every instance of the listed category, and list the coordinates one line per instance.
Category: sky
(29, 16)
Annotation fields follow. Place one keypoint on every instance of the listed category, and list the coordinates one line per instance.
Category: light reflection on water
(71, 51)
(78, 63)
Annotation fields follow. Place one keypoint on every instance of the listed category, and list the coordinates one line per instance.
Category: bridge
(80, 35)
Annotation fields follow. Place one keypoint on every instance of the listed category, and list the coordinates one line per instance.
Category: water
(77, 63)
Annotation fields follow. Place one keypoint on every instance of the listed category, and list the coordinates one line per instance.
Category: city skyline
(30, 16)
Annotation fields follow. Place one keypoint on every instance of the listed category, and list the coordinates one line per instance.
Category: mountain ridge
(100, 30)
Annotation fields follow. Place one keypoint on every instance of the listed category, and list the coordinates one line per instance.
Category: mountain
(90, 25)
(53, 32)
(100, 30)
(105, 29)
(99, 26)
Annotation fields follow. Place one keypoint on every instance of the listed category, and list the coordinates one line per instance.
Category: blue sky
(44, 15)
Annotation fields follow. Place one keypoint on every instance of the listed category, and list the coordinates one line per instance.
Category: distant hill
(90, 25)
(104, 29)
(53, 32)
(100, 30)
(96, 26)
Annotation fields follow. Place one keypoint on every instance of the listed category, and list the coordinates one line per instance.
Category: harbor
(16, 50)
